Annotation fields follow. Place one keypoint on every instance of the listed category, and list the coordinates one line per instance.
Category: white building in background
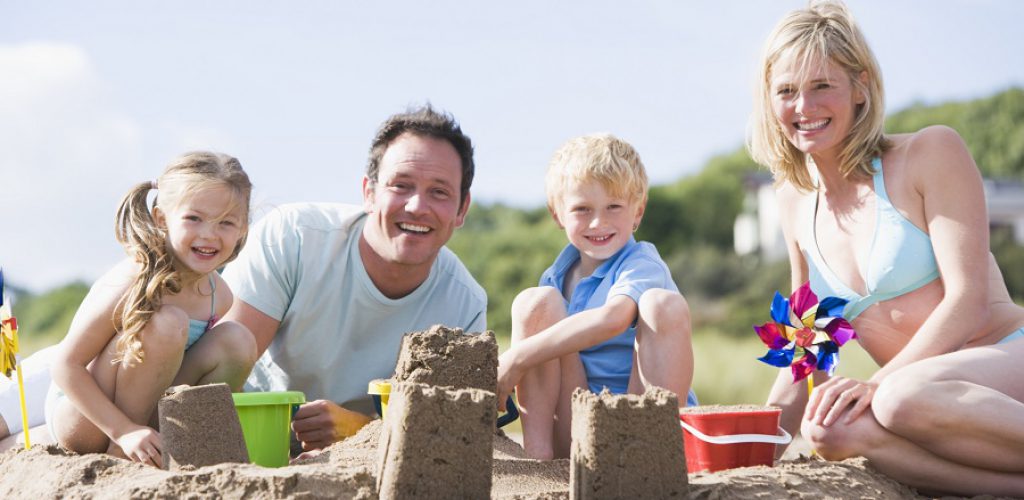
(757, 228)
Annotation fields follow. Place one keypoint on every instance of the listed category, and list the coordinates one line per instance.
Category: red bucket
(729, 439)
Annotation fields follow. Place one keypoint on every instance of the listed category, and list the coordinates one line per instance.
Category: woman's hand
(839, 394)
(508, 377)
(142, 444)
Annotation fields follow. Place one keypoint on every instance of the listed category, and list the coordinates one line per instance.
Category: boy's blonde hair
(824, 31)
(601, 158)
(136, 229)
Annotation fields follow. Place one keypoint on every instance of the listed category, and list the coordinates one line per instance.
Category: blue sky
(95, 96)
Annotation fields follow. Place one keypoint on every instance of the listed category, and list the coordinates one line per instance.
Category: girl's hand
(839, 394)
(142, 444)
(508, 377)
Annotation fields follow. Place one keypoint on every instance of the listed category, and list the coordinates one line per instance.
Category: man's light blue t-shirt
(633, 270)
(302, 267)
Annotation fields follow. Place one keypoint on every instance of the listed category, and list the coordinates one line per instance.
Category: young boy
(607, 313)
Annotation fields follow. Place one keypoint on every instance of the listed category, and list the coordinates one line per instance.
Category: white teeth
(600, 238)
(205, 251)
(815, 125)
(413, 227)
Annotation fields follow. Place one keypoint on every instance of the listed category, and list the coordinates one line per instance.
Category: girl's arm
(91, 331)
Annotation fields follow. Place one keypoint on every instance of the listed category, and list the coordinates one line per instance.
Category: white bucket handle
(785, 438)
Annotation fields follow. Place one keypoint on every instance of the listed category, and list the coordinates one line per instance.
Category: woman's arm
(950, 186)
(792, 398)
(91, 331)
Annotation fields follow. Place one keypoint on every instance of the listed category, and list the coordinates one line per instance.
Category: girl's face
(596, 223)
(816, 107)
(204, 230)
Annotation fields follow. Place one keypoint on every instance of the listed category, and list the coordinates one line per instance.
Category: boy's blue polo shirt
(633, 270)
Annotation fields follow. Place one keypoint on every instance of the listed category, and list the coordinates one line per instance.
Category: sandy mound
(347, 470)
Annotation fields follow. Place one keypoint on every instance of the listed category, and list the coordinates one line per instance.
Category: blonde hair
(136, 229)
(602, 158)
(824, 31)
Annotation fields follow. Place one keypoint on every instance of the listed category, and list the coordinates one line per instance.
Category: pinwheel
(9, 359)
(805, 334)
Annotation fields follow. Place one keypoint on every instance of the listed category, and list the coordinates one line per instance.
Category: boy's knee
(659, 305)
(539, 301)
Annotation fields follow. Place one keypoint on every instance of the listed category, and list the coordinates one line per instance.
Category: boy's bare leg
(573, 376)
(538, 392)
(663, 342)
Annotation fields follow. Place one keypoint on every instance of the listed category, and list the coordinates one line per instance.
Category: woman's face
(814, 104)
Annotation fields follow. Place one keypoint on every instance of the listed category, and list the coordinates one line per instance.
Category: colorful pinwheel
(9, 359)
(805, 334)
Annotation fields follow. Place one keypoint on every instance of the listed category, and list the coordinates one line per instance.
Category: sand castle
(614, 428)
(437, 440)
(200, 426)
(626, 446)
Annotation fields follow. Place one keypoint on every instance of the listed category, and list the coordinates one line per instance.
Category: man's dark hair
(427, 122)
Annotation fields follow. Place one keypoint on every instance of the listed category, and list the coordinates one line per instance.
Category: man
(328, 290)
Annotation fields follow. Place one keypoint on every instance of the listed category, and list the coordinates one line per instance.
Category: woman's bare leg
(966, 406)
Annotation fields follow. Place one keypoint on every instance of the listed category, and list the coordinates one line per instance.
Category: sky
(97, 96)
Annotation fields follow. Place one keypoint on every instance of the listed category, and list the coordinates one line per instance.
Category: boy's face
(596, 223)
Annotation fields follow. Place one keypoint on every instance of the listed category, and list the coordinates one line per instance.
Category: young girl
(151, 321)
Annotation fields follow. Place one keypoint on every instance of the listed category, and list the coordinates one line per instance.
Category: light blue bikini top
(197, 327)
(900, 258)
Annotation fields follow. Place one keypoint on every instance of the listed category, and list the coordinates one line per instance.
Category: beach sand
(348, 470)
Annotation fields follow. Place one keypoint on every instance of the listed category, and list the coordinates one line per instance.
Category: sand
(199, 426)
(345, 470)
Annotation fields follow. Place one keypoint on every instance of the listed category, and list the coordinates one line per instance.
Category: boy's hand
(508, 377)
(320, 423)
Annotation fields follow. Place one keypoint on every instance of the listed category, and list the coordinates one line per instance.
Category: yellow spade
(9, 359)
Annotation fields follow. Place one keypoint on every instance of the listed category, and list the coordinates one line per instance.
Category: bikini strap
(879, 179)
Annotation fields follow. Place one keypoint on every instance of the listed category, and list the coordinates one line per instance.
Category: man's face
(414, 205)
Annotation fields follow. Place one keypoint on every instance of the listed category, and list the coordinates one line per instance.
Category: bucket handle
(785, 438)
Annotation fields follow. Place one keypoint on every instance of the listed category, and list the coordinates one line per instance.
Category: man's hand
(320, 423)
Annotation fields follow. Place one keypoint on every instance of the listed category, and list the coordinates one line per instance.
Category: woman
(898, 226)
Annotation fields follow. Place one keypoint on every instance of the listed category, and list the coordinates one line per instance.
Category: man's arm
(263, 327)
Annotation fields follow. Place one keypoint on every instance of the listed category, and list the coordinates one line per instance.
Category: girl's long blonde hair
(824, 31)
(136, 229)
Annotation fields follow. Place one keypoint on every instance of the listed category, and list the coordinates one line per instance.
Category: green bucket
(266, 419)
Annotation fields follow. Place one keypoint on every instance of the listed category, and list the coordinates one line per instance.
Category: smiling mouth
(599, 239)
(205, 251)
(413, 228)
(811, 126)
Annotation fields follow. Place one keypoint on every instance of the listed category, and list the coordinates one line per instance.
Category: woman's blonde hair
(136, 229)
(824, 31)
(603, 158)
